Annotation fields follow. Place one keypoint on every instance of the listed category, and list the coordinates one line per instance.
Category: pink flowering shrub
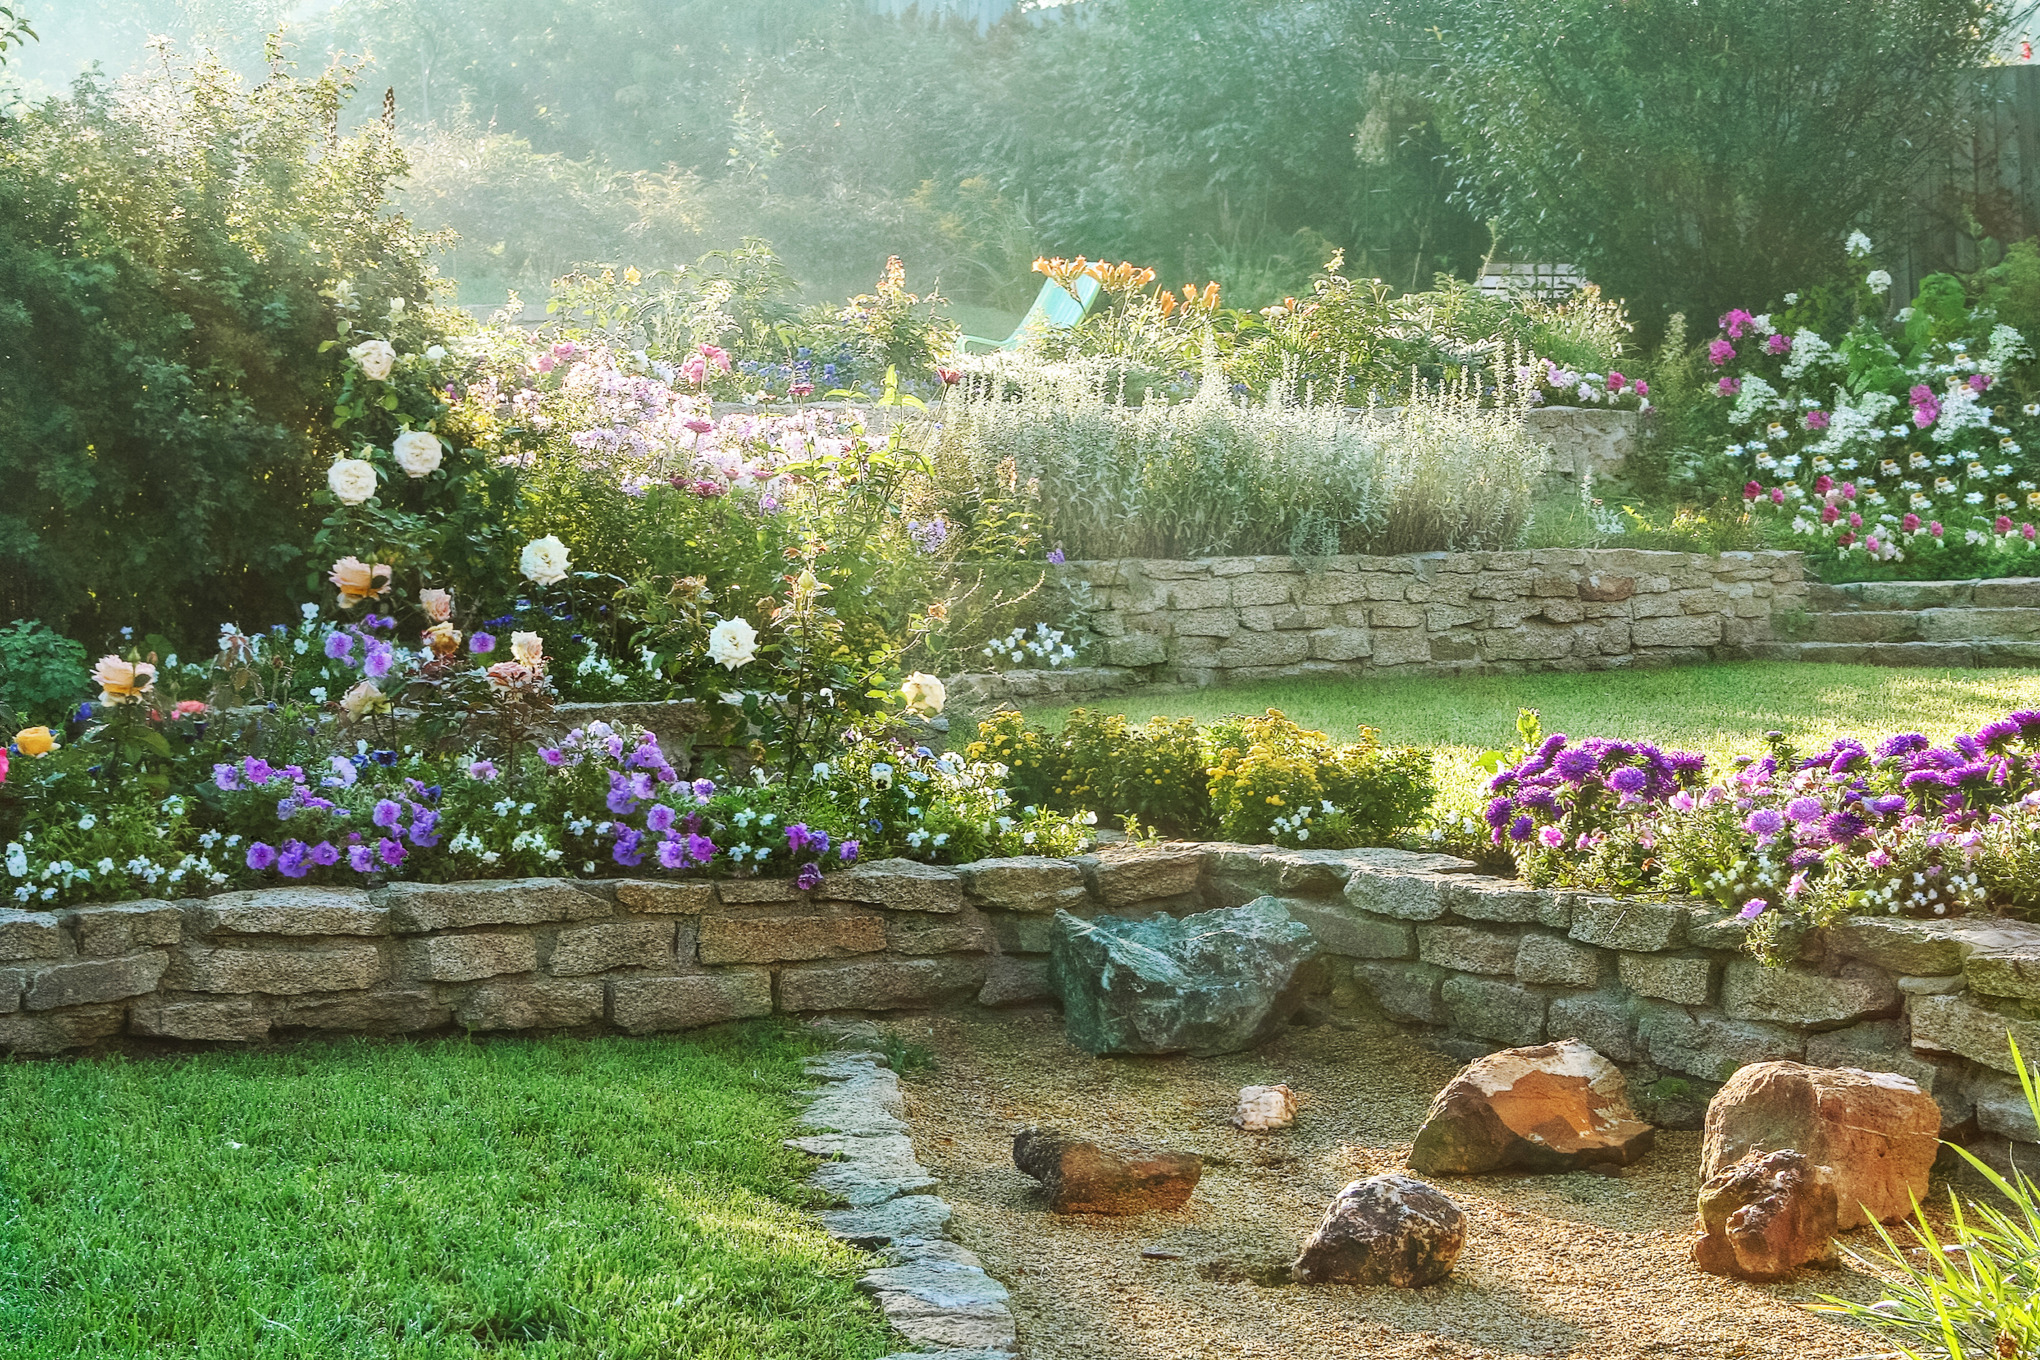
(1881, 440)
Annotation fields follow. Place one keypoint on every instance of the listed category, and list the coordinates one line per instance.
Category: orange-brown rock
(1083, 1178)
(1877, 1131)
(1551, 1107)
(1766, 1216)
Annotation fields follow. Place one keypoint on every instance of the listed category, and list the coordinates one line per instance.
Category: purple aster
(1628, 779)
(1804, 859)
(1765, 822)
(1843, 827)
(1804, 809)
(810, 877)
(1576, 764)
(1520, 829)
(1885, 804)
(1497, 814)
(261, 856)
(1903, 745)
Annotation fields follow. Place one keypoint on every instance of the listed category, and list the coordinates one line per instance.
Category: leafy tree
(1701, 156)
(171, 262)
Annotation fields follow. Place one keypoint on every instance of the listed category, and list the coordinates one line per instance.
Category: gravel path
(1579, 1265)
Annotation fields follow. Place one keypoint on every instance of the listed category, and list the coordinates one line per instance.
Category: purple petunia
(660, 818)
(672, 854)
(629, 848)
(360, 859)
(481, 644)
(325, 854)
(226, 777)
(1752, 909)
(810, 877)
(261, 856)
(291, 862)
(388, 812)
(256, 769)
(847, 852)
(339, 647)
(391, 851)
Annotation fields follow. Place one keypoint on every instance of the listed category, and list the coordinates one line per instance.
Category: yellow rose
(362, 700)
(35, 741)
(443, 640)
(122, 682)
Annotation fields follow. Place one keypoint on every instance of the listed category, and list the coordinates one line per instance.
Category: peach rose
(437, 604)
(122, 682)
(528, 649)
(358, 581)
(508, 675)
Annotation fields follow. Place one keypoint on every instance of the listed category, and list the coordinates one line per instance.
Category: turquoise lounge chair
(1054, 310)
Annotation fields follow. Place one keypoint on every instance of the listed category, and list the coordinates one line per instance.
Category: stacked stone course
(1661, 987)
(1226, 619)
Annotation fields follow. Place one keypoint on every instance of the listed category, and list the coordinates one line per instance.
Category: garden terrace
(1474, 963)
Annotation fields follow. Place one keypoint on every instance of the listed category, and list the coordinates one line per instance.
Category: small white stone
(1265, 1107)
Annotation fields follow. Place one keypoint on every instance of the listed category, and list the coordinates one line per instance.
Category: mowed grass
(1722, 710)
(539, 1198)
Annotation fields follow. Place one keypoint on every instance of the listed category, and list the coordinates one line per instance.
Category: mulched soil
(1581, 1264)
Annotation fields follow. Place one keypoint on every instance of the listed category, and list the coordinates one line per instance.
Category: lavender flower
(1753, 908)
(340, 647)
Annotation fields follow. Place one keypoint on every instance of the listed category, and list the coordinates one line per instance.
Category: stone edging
(933, 1291)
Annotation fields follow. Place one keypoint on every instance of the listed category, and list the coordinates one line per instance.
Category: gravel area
(1581, 1264)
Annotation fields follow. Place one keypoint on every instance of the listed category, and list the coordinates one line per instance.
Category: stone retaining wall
(1244, 618)
(1662, 988)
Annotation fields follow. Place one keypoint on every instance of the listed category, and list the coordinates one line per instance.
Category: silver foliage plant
(1216, 475)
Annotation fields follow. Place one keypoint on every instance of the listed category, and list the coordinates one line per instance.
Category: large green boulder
(1216, 982)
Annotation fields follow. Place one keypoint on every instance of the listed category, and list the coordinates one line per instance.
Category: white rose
(352, 480)
(418, 453)
(544, 561)
(732, 643)
(924, 694)
(435, 353)
(528, 648)
(375, 357)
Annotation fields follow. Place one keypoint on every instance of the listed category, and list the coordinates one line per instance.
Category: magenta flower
(1804, 810)
(1817, 420)
(1979, 382)
(1777, 495)
(1719, 352)
(1736, 322)
(1752, 490)
(1616, 382)
(1728, 387)
(1778, 344)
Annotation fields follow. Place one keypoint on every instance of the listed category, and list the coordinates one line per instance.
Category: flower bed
(1788, 840)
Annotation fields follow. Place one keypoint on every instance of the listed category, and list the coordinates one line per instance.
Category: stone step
(1962, 655)
(2012, 592)
(1953, 624)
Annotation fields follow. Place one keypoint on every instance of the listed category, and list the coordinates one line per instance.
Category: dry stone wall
(1660, 987)
(1573, 609)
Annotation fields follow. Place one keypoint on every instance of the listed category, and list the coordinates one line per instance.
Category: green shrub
(1275, 781)
(173, 257)
(1249, 779)
(42, 674)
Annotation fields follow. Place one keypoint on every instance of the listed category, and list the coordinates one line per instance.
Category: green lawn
(1721, 710)
(556, 1198)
